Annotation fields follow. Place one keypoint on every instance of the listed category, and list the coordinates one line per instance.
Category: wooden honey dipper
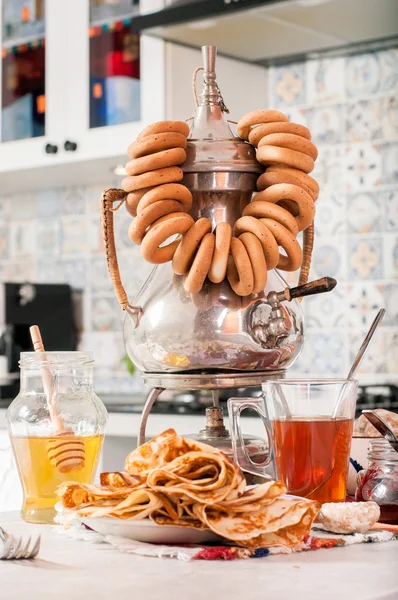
(66, 455)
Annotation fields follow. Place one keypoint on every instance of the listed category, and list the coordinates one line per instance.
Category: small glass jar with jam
(379, 482)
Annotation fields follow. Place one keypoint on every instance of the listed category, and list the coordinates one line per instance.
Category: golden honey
(40, 477)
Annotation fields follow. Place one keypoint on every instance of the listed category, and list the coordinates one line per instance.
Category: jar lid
(381, 449)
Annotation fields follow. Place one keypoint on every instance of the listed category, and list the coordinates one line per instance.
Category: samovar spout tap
(278, 324)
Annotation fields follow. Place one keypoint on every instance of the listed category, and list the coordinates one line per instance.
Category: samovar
(213, 339)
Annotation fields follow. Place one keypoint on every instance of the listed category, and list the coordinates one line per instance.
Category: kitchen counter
(76, 569)
(126, 424)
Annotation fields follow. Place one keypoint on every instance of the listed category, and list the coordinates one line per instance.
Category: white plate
(147, 531)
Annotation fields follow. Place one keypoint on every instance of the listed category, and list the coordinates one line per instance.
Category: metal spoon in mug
(381, 427)
(360, 355)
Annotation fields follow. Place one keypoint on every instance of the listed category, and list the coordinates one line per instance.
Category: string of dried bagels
(283, 206)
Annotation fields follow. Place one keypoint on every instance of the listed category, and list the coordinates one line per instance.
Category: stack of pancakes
(176, 481)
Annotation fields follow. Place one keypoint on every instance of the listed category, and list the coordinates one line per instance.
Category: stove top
(195, 403)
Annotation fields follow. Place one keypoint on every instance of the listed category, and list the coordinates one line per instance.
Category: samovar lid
(212, 146)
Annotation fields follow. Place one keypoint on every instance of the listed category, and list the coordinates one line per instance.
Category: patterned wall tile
(364, 120)
(390, 117)
(99, 276)
(363, 166)
(22, 239)
(390, 250)
(134, 270)
(107, 348)
(329, 353)
(363, 300)
(288, 85)
(362, 74)
(330, 217)
(48, 203)
(74, 236)
(329, 258)
(391, 304)
(303, 365)
(19, 271)
(391, 351)
(388, 70)
(298, 115)
(390, 210)
(73, 200)
(365, 257)
(323, 354)
(329, 171)
(50, 270)
(122, 222)
(93, 197)
(364, 212)
(49, 237)
(390, 163)
(106, 314)
(75, 272)
(326, 124)
(326, 311)
(375, 358)
(325, 80)
(93, 232)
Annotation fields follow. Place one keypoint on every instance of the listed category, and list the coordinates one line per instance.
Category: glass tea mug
(54, 441)
(309, 425)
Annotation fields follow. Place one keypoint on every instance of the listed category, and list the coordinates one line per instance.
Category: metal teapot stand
(159, 382)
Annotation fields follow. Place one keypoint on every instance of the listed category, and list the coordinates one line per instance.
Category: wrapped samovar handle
(108, 197)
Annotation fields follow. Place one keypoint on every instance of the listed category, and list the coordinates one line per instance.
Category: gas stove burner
(209, 380)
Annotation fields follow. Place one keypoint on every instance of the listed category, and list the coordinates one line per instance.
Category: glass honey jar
(56, 426)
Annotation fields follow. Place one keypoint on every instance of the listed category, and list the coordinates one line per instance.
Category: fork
(14, 548)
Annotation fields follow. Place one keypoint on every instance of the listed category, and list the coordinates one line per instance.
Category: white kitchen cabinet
(82, 91)
(66, 92)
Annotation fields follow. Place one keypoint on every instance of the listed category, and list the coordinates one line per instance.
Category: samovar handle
(108, 197)
(319, 286)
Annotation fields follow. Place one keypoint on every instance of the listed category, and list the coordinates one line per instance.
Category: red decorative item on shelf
(117, 65)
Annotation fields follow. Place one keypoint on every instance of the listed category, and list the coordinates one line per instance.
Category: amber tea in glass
(311, 456)
(309, 425)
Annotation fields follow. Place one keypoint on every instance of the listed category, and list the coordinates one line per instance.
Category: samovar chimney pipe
(210, 95)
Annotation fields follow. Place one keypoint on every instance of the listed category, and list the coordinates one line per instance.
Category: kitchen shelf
(267, 31)
(22, 41)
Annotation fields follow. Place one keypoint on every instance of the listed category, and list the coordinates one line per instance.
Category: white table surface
(72, 569)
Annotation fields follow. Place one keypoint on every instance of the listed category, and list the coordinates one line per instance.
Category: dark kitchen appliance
(50, 306)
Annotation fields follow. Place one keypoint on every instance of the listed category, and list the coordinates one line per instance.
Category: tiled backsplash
(53, 236)
(350, 105)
